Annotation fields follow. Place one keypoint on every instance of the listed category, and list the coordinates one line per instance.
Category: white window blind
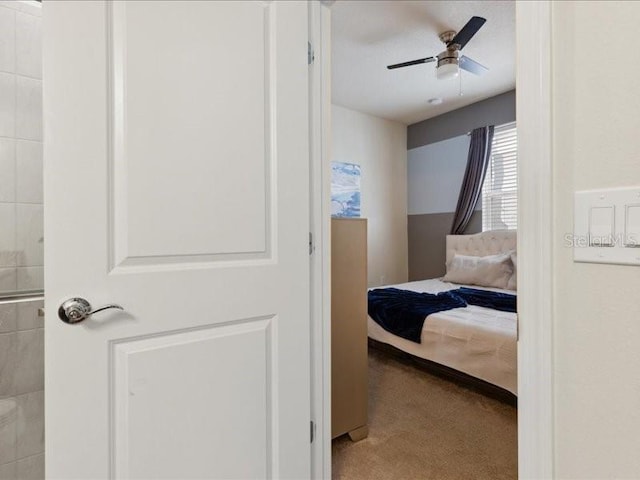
(500, 188)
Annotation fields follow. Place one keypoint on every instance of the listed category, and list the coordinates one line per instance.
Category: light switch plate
(607, 226)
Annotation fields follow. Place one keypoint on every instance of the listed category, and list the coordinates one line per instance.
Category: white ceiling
(369, 35)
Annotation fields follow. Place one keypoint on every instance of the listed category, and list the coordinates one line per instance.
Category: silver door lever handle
(77, 309)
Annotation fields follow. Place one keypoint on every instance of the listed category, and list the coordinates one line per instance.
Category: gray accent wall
(437, 158)
(427, 242)
(435, 175)
(496, 110)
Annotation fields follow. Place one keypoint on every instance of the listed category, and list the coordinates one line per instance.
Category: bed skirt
(442, 371)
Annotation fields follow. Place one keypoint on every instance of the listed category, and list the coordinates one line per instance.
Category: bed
(477, 341)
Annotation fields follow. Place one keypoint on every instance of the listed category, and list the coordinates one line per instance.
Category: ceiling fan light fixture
(448, 66)
(447, 71)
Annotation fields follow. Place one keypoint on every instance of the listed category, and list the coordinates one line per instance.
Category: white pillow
(512, 284)
(489, 271)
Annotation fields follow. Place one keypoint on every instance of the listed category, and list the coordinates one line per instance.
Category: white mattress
(475, 340)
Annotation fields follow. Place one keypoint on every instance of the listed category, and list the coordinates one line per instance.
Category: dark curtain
(477, 162)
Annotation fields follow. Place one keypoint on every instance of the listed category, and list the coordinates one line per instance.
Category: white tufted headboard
(481, 244)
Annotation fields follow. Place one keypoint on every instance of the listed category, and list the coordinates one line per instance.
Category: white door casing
(176, 185)
(535, 362)
(535, 240)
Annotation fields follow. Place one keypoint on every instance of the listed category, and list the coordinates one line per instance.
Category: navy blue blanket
(504, 302)
(403, 312)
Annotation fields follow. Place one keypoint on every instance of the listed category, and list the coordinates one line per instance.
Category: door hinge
(311, 247)
(312, 430)
(310, 54)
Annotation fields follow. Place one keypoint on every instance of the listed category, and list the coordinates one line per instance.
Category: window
(500, 188)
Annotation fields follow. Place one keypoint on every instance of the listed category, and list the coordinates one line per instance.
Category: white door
(176, 167)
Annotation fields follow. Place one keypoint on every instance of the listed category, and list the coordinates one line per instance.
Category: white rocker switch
(601, 226)
(632, 226)
(606, 226)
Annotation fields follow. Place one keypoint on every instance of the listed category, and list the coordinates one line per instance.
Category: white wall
(596, 128)
(380, 147)
(435, 174)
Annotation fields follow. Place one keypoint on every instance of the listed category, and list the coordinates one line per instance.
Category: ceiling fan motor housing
(446, 37)
(449, 56)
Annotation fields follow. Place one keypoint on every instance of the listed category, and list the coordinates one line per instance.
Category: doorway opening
(363, 135)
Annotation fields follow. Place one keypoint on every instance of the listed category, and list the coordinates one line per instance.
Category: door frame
(535, 221)
(535, 237)
(320, 228)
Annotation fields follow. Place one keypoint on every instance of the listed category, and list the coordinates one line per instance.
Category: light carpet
(424, 427)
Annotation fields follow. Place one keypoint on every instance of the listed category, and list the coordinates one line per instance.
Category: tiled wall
(21, 222)
(21, 242)
(21, 391)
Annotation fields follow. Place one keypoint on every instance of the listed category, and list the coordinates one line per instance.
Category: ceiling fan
(449, 61)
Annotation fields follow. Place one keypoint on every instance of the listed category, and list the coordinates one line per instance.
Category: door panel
(205, 79)
(176, 185)
(179, 385)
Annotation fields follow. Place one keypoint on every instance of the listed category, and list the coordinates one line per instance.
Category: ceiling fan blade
(472, 66)
(412, 62)
(468, 31)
